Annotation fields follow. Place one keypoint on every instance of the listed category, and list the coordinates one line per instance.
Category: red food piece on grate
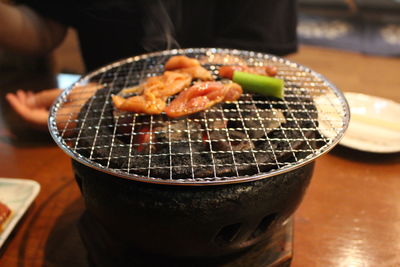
(227, 71)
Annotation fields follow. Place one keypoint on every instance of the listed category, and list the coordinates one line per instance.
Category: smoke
(158, 25)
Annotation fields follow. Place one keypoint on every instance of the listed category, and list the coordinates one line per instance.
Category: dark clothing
(111, 30)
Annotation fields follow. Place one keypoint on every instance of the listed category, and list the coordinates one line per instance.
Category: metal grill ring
(253, 138)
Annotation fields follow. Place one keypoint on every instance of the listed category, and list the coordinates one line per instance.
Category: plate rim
(346, 142)
(17, 215)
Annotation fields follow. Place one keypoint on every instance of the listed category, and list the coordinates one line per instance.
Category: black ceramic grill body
(181, 222)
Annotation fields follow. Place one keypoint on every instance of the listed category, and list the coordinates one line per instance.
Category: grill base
(195, 222)
(78, 239)
(276, 251)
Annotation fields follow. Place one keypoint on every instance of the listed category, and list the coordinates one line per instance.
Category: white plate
(18, 195)
(374, 124)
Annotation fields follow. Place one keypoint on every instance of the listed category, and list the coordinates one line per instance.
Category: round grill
(253, 138)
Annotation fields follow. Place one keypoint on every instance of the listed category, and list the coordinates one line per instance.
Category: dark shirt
(112, 30)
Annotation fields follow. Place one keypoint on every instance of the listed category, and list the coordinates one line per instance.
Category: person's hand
(69, 110)
(33, 107)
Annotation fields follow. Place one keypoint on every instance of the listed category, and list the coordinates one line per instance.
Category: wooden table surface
(350, 215)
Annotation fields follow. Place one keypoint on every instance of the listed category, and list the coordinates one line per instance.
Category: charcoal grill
(205, 185)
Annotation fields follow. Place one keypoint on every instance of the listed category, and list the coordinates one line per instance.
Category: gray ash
(229, 140)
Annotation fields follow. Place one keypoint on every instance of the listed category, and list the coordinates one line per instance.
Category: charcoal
(220, 142)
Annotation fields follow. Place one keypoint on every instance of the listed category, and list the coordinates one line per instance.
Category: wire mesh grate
(252, 138)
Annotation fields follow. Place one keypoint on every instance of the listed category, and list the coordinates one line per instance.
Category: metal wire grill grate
(252, 138)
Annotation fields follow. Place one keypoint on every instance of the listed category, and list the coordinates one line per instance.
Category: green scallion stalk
(260, 84)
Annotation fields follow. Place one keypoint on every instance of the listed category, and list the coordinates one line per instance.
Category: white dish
(18, 195)
(374, 124)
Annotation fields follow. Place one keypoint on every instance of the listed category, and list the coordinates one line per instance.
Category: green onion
(259, 84)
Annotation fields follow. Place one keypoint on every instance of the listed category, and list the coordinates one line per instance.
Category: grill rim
(203, 182)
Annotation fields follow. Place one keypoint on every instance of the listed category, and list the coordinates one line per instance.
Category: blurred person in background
(112, 30)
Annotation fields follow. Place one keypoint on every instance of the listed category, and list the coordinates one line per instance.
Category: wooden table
(349, 217)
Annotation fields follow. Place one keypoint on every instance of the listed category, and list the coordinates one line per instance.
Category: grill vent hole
(228, 233)
(263, 225)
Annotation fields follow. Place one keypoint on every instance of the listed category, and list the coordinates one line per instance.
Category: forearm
(23, 30)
